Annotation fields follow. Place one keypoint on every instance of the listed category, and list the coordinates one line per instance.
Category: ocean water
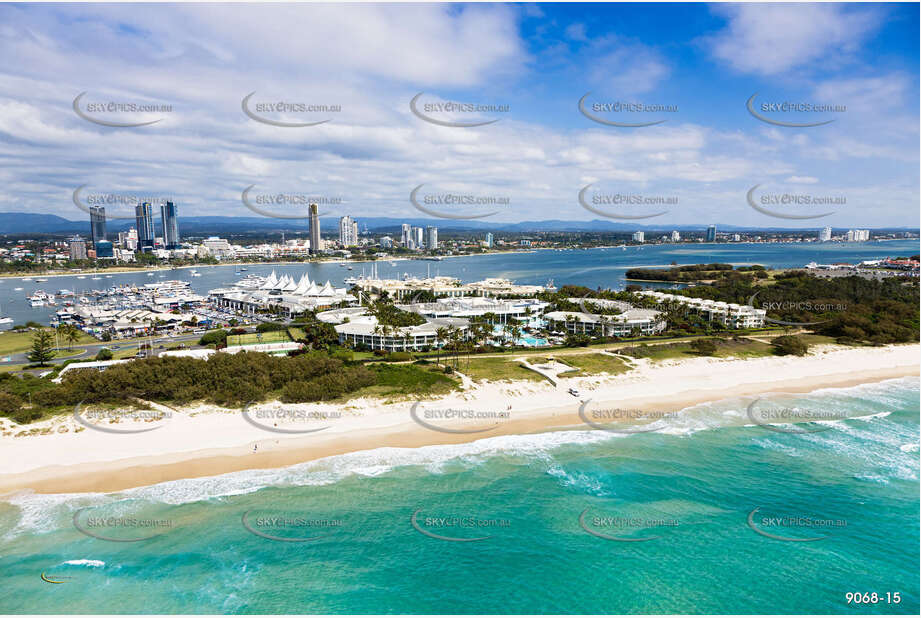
(684, 494)
(603, 268)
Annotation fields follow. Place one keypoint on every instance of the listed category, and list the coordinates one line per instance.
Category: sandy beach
(63, 456)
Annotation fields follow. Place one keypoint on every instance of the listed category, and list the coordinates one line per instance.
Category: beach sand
(206, 441)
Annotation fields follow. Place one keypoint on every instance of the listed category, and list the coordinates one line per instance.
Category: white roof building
(730, 315)
(255, 294)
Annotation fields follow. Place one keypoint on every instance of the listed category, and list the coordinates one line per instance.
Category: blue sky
(539, 59)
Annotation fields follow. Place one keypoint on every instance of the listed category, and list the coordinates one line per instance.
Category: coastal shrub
(704, 347)
(790, 345)
(214, 337)
(267, 327)
(104, 354)
(328, 386)
(9, 404)
(398, 357)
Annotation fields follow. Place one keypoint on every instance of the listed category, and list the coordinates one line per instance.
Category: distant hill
(13, 223)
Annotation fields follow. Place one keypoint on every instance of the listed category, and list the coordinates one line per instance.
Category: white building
(639, 236)
(217, 247)
(675, 236)
(470, 307)
(283, 294)
(356, 326)
(406, 235)
(825, 234)
(630, 321)
(858, 235)
(348, 231)
(729, 315)
(431, 238)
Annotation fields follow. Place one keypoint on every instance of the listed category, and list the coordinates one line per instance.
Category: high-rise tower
(314, 229)
(97, 224)
(170, 225)
(143, 215)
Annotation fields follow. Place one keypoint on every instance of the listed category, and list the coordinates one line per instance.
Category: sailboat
(4, 320)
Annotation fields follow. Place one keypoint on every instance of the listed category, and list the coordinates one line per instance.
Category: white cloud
(772, 39)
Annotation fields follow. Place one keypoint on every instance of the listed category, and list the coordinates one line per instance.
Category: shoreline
(128, 271)
(93, 461)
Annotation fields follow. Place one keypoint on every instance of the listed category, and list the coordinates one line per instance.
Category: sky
(534, 153)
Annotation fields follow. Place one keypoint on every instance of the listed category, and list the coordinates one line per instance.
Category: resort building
(446, 287)
(282, 294)
(478, 306)
(630, 322)
(729, 315)
(356, 326)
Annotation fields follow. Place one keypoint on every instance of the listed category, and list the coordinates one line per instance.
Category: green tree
(790, 344)
(42, 347)
(704, 347)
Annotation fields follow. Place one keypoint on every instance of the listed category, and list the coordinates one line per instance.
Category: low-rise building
(730, 315)
(631, 322)
(355, 326)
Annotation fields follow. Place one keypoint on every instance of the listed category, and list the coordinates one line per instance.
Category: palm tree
(454, 336)
(441, 335)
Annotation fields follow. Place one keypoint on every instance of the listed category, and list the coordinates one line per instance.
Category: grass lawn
(725, 349)
(275, 336)
(296, 333)
(405, 381)
(14, 343)
(592, 364)
(495, 369)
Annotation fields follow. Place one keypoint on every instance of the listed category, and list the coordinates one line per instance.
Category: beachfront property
(449, 287)
(283, 294)
(517, 310)
(729, 315)
(630, 321)
(356, 326)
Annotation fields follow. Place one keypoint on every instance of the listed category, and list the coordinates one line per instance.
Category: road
(90, 350)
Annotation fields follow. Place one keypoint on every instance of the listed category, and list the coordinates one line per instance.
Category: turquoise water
(691, 485)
